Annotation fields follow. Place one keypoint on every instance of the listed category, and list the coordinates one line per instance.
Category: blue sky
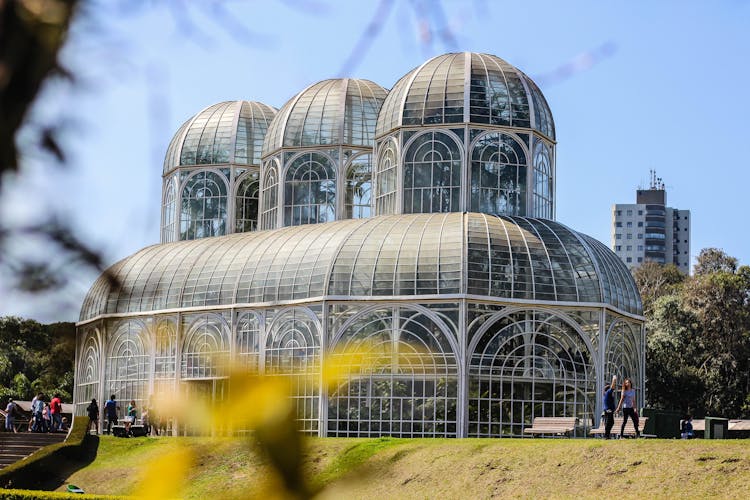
(633, 86)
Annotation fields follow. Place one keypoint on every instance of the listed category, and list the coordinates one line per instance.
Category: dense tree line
(698, 336)
(36, 358)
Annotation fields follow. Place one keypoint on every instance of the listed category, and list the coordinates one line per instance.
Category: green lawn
(444, 468)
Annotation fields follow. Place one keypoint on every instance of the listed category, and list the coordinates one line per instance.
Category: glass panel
(525, 365)
(358, 200)
(432, 174)
(246, 204)
(498, 175)
(543, 203)
(204, 206)
(406, 383)
(270, 196)
(310, 190)
(168, 209)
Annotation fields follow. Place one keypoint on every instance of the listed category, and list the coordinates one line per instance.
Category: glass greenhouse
(480, 310)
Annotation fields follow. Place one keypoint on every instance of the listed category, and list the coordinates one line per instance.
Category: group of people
(627, 404)
(111, 412)
(45, 417)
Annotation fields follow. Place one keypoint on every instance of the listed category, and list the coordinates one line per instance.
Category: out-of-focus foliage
(261, 408)
(698, 340)
(32, 32)
(36, 358)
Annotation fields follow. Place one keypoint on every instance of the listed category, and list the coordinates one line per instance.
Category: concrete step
(17, 446)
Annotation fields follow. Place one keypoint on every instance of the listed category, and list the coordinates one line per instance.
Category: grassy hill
(408, 468)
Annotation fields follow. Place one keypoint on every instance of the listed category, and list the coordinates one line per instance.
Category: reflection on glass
(498, 176)
(310, 191)
(204, 206)
(246, 204)
(358, 188)
(432, 174)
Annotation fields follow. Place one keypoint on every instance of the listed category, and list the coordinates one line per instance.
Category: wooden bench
(560, 426)
(136, 430)
(629, 427)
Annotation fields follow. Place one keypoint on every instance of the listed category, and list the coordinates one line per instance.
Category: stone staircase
(15, 447)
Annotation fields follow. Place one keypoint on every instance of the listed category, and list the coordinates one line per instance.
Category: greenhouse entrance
(197, 394)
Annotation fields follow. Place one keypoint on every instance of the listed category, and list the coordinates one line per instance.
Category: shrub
(78, 446)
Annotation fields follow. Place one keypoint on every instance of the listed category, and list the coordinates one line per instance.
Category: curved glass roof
(440, 91)
(331, 112)
(386, 256)
(227, 132)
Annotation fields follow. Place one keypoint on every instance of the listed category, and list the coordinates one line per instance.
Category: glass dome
(227, 132)
(331, 112)
(466, 87)
(479, 255)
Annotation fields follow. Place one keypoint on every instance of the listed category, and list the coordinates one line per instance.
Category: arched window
(622, 354)
(168, 213)
(248, 342)
(246, 204)
(387, 181)
(525, 365)
(206, 349)
(359, 188)
(128, 363)
(204, 206)
(406, 383)
(293, 351)
(309, 191)
(432, 174)
(165, 356)
(542, 181)
(270, 198)
(88, 374)
(498, 176)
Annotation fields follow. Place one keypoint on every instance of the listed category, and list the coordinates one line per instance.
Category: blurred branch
(368, 36)
(581, 62)
(32, 33)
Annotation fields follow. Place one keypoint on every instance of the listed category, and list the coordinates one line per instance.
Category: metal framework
(478, 311)
(211, 170)
(472, 133)
(317, 154)
(482, 322)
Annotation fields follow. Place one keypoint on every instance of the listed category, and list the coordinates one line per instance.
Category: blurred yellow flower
(164, 476)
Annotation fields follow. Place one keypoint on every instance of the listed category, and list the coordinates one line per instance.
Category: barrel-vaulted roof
(388, 256)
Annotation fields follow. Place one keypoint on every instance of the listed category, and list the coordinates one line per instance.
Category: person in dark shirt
(110, 411)
(608, 406)
(93, 413)
(686, 432)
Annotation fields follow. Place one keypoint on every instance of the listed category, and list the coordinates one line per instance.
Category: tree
(714, 260)
(656, 280)
(719, 298)
(698, 341)
(36, 358)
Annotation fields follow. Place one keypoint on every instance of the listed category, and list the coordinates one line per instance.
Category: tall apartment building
(649, 230)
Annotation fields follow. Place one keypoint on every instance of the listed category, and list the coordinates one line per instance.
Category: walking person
(608, 407)
(55, 409)
(10, 413)
(47, 418)
(93, 412)
(110, 411)
(37, 408)
(627, 403)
